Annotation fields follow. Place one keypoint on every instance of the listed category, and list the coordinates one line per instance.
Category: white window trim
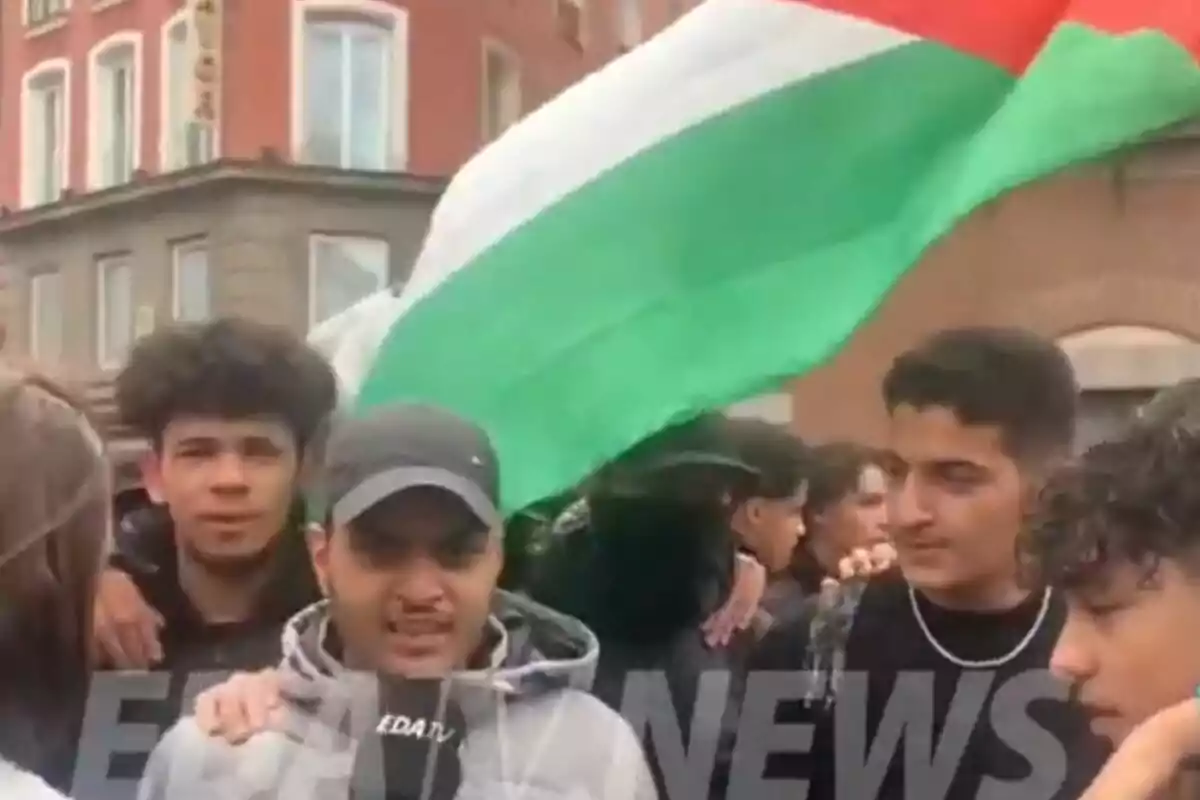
(25, 12)
(179, 248)
(166, 156)
(631, 23)
(493, 46)
(34, 317)
(582, 8)
(52, 65)
(133, 40)
(315, 239)
(391, 15)
(100, 266)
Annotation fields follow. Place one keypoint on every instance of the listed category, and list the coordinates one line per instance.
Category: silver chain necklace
(987, 663)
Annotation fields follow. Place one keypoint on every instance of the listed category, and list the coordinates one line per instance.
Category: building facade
(176, 159)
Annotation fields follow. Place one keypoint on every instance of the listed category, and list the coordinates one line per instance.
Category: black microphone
(411, 753)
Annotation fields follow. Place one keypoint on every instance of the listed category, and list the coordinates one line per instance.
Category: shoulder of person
(17, 784)
(188, 763)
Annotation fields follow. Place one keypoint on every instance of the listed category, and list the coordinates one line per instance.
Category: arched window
(114, 109)
(1120, 367)
(45, 132)
(183, 142)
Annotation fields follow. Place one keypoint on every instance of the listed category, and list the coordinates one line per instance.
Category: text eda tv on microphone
(412, 752)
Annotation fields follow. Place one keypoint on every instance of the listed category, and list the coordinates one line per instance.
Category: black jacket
(644, 576)
(196, 654)
(145, 549)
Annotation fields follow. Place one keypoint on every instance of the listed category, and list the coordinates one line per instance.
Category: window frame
(174, 151)
(35, 280)
(50, 75)
(386, 15)
(580, 38)
(509, 56)
(179, 249)
(123, 45)
(102, 265)
(631, 23)
(316, 239)
(47, 14)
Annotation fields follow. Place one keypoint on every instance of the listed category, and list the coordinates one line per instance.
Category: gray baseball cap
(379, 453)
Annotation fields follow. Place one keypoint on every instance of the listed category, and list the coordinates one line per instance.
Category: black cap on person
(373, 455)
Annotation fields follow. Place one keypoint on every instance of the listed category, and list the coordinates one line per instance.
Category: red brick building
(179, 158)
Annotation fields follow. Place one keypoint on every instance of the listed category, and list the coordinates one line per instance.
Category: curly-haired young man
(229, 408)
(207, 572)
(1119, 533)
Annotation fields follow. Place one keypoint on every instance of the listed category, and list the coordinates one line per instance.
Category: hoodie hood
(16, 784)
(536, 651)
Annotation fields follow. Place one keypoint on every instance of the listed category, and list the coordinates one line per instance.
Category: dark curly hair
(1007, 377)
(227, 368)
(1134, 501)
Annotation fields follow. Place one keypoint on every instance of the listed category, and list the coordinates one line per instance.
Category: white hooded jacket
(533, 732)
(16, 784)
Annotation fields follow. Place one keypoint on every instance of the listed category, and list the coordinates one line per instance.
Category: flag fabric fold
(720, 209)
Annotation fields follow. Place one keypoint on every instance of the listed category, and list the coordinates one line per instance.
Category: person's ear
(755, 510)
(151, 468)
(318, 541)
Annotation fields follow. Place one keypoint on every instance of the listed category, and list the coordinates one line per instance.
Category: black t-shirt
(1000, 731)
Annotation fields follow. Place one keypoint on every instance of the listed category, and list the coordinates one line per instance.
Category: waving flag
(720, 209)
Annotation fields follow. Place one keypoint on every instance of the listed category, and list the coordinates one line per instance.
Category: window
(569, 15)
(191, 291)
(46, 315)
(501, 91)
(115, 312)
(39, 11)
(629, 23)
(349, 95)
(45, 133)
(341, 271)
(185, 142)
(114, 106)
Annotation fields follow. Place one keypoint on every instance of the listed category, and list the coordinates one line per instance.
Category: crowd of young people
(969, 611)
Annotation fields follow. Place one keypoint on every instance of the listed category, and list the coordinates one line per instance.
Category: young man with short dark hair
(408, 559)
(955, 645)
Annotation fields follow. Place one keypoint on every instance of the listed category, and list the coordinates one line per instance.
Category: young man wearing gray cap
(408, 558)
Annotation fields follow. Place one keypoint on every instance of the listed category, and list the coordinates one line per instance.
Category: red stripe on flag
(1179, 19)
(1008, 33)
